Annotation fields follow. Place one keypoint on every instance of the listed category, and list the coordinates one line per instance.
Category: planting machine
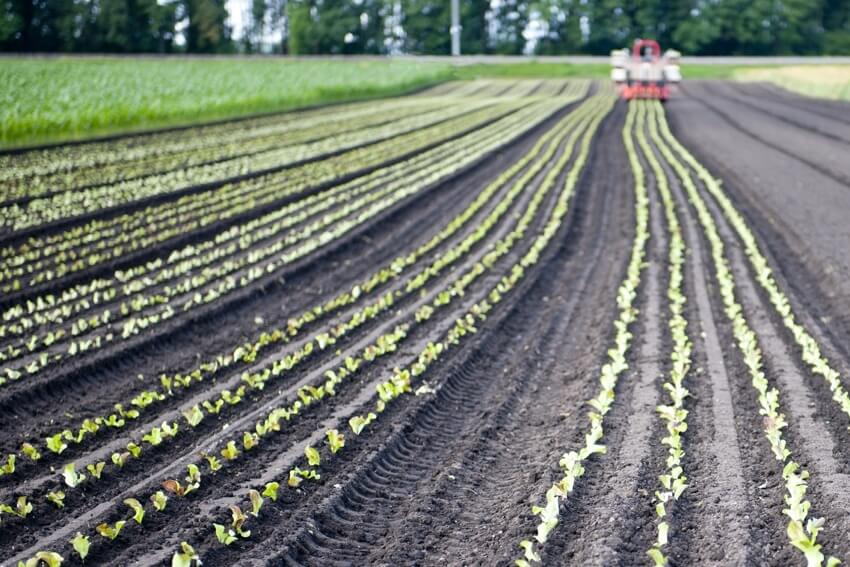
(645, 72)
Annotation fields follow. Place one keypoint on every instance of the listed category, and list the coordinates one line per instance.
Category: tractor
(645, 72)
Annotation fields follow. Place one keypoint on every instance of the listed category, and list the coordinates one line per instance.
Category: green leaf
(313, 457)
(137, 507)
(159, 500)
(224, 535)
(657, 557)
(270, 490)
(81, 545)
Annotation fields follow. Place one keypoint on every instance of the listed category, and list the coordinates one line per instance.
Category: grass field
(65, 98)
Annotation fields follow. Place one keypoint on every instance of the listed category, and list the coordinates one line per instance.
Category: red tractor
(645, 72)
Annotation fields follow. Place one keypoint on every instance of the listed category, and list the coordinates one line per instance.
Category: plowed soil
(449, 476)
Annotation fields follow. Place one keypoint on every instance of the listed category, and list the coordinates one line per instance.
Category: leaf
(186, 557)
(110, 532)
(256, 502)
(313, 456)
(71, 476)
(657, 557)
(336, 440)
(57, 498)
(530, 554)
(137, 508)
(193, 415)
(50, 558)
(224, 535)
(270, 491)
(159, 500)
(81, 545)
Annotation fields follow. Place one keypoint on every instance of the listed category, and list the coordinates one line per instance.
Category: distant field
(824, 81)
(65, 98)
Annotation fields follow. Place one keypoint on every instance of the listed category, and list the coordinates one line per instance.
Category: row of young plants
(248, 352)
(810, 350)
(673, 414)
(802, 530)
(256, 378)
(387, 343)
(45, 258)
(74, 203)
(90, 169)
(255, 230)
(572, 462)
(320, 172)
(206, 286)
(71, 157)
(402, 381)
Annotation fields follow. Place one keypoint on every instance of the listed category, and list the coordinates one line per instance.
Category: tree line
(546, 27)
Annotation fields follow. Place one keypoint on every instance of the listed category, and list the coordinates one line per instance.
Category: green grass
(65, 98)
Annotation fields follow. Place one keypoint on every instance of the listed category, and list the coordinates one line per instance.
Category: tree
(206, 31)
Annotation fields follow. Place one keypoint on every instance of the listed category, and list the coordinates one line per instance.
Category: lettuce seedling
(194, 415)
(138, 509)
(224, 535)
(159, 500)
(81, 545)
(238, 521)
(120, 459)
(56, 444)
(313, 456)
(256, 502)
(270, 491)
(110, 532)
(9, 467)
(187, 557)
(154, 437)
(57, 498)
(71, 476)
(49, 558)
(96, 469)
(336, 440)
(230, 452)
(215, 464)
(249, 440)
(22, 508)
(30, 451)
(134, 449)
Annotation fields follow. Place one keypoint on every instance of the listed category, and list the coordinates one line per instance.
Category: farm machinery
(645, 72)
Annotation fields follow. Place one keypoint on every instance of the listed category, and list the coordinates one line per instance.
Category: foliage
(68, 98)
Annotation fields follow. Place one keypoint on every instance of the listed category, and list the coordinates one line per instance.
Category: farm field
(494, 322)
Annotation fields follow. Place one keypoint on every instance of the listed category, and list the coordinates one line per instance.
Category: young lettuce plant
(81, 545)
(256, 502)
(336, 440)
(110, 532)
(138, 509)
(187, 556)
(71, 476)
(48, 558)
(270, 491)
(22, 508)
(58, 498)
(159, 500)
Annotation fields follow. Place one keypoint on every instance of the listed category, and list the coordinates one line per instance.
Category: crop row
(572, 462)
(219, 273)
(221, 205)
(75, 203)
(256, 375)
(810, 350)
(44, 258)
(673, 413)
(242, 445)
(22, 181)
(802, 530)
